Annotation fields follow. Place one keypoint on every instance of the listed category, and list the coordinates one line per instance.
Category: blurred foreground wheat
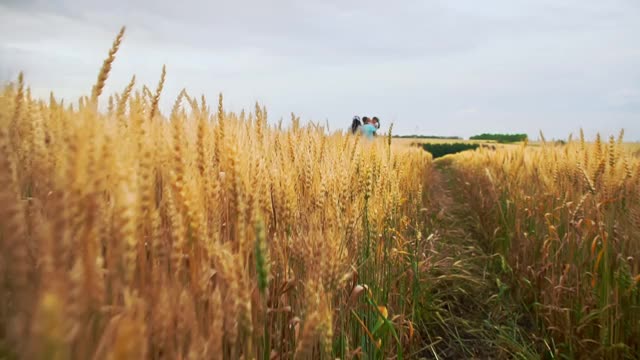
(128, 234)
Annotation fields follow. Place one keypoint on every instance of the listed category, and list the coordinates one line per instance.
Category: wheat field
(566, 219)
(129, 233)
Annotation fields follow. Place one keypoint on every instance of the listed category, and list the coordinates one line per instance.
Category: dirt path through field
(470, 314)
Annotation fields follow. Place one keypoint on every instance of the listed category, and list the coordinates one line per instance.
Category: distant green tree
(440, 150)
(501, 138)
(427, 137)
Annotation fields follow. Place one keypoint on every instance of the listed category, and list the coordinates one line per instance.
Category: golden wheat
(563, 218)
(128, 234)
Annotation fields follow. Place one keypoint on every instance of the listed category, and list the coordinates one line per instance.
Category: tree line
(500, 138)
(440, 150)
(427, 137)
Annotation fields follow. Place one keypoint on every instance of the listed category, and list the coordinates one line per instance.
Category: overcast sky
(432, 67)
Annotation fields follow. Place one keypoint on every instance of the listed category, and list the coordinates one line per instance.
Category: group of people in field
(367, 127)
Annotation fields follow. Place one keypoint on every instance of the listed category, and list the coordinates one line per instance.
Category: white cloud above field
(433, 67)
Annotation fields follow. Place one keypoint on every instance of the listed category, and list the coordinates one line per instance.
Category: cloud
(470, 110)
(523, 65)
(624, 99)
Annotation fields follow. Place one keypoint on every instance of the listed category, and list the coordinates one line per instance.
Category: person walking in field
(368, 129)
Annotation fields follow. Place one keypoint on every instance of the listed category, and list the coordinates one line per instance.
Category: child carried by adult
(367, 128)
